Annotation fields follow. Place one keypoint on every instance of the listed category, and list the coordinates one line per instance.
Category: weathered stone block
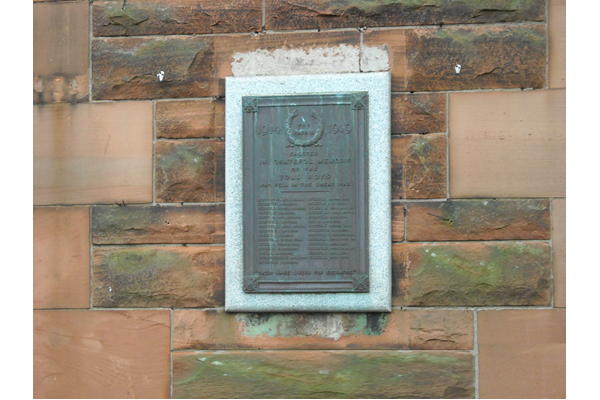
(166, 17)
(127, 68)
(190, 119)
(419, 167)
(478, 220)
(471, 274)
(418, 113)
(322, 374)
(323, 14)
(490, 57)
(400, 329)
(158, 224)
(190, 171)
(191, 276)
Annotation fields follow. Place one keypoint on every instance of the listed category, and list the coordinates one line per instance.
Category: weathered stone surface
(557, 40)
(324, 14)
(165, 17)
(61, 52)
(400, 329)
(491, 57)
(397, 222)
(158, 224)
(322, 374)
(522, 354)
(559, 249)
(192, 276)
(478, 220)
(508, 144)
(127, 68)
(92, 153)
(418, 113)
(101, 354)
(190, 171)
(190, 119)
(61, 257)
(419, 167)
(471, 274)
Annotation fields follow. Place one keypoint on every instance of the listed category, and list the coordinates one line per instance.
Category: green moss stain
(131, 262)
(189, 156)
(332, 326)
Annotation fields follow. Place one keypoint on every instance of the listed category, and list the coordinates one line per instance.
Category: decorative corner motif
(250, 283)
(250, 104)
(360, 283)
(359, 101)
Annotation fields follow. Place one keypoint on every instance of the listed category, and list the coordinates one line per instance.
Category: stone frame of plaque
(297, 148)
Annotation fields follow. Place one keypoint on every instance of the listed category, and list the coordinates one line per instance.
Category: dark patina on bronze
(306, 193)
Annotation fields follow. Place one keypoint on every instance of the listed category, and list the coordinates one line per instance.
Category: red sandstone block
(101, 354)
(418, 113)
(190, 119)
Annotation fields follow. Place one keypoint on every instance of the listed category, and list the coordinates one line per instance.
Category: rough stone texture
(508, 144)
(557, 37)
(101, 354)
(400, 329)
(490, 57)
(92, 153)
(559, 249)
(322, 374)
(61, 257)
(60, 52)
(191, 276)
(167, 17)
(158, 224)
(471, 274)
(379, 187)
(190, 171)
(397, 222)
(190, 119)
(126, 68)
(418, 113)
(394, 40)
(325, 14)
(522, 354)
(419, 167)
(478, 220)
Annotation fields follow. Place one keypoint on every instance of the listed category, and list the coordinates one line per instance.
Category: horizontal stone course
(191, 276)
(400, 329)
(167, 17)
(324, 14)
(471, 274)
(190, 119)
(478, 220)
(158, 224)
(323, 374)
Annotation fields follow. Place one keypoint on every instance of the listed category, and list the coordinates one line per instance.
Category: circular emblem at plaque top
(306, 142)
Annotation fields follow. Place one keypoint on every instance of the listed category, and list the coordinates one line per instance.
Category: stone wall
(129, 200)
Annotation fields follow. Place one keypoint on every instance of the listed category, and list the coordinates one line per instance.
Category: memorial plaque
(305, 193)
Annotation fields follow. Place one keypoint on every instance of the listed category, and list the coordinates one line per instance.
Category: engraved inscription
(305, 193)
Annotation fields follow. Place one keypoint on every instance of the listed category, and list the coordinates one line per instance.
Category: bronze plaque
(305, 193)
